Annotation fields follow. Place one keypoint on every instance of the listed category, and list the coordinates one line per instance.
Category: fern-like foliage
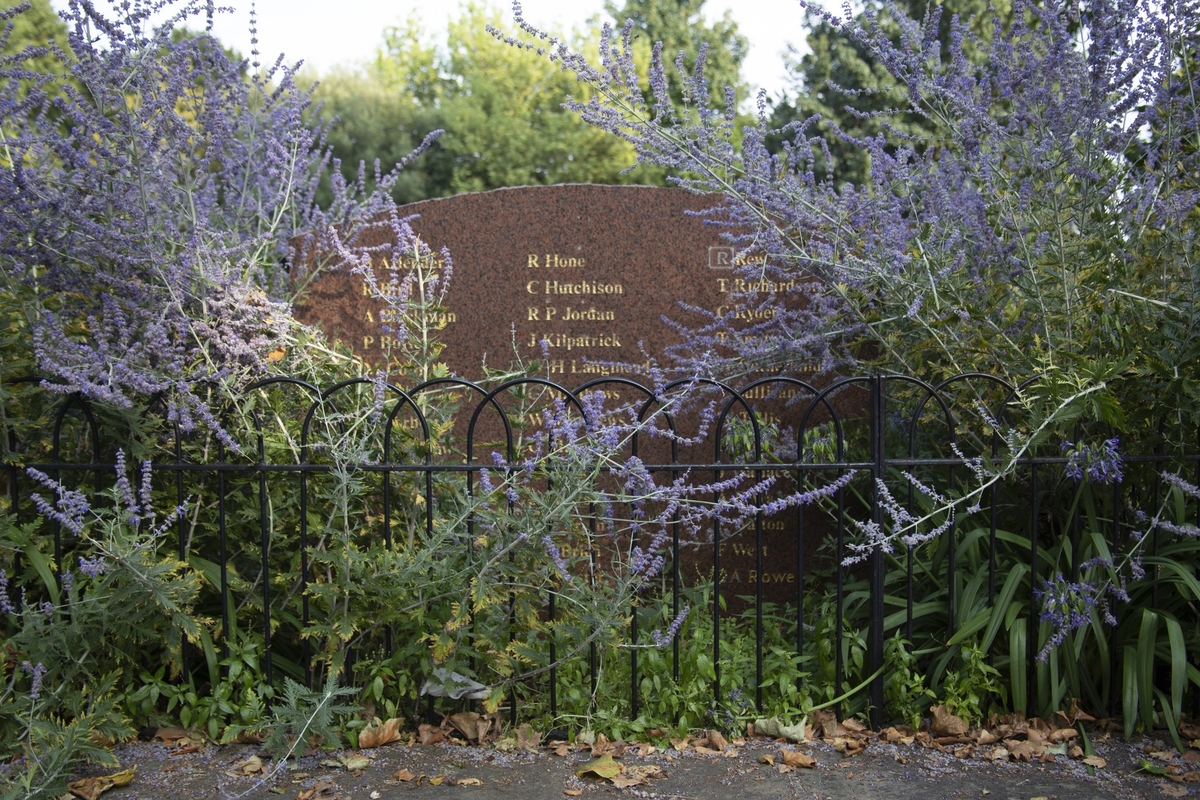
(307, 715)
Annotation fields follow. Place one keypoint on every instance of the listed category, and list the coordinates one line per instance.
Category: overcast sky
(329, 32)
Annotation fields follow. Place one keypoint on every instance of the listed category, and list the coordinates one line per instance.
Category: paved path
(882, 772)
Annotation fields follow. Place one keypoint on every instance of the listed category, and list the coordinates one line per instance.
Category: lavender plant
(155, 196)
(1038, 224)
(123, 597)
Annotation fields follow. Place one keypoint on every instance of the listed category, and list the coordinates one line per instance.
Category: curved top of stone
(590, 269)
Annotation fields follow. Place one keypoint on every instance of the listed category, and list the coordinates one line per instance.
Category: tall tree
(857, 99)
(374, 121)
(681, 27)
(37, 30)
(501, 111)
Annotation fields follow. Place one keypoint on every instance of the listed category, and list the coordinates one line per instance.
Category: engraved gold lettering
(555, 261)
(581, 287)
(533, 315)
(770, 577)
(370, 318)
(550, 313)
(570, 342)
(747, 313)
(367, 342)
(588, 315)
(588, 368)
(529, 287)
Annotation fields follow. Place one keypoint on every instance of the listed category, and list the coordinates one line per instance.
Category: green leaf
(1003, 602)
(1018, 666)
(1178, 666)
(1145, 667)
(42, 565)
(1129, 694)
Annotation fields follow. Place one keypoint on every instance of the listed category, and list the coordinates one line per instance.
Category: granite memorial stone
(591, 271)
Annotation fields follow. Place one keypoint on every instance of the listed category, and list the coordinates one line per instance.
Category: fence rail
(907, 440)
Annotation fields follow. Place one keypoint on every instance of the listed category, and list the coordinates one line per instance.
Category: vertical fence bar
(1031, 643)
(800, 559)
(716, 598)
(180, 529)
(223, 549)
(305, 648)
(264, 534)
(875, 633)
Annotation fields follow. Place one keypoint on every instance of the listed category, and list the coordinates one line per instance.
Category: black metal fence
(908, 441)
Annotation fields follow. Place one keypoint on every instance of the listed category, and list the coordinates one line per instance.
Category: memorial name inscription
(579, 278)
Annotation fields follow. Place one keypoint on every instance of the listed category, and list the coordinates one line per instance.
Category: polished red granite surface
(590, 269)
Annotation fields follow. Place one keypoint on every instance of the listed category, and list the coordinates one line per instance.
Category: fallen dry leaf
(794, 758)
(472, 725)
(853, 725)
(680, 744)
(897, 736)
(784, 769)
(321, 789)
(717, 741)
(277, 354)
(403, 775)
(572, 792)
(944, 723)
(428, 734)
(468, 782)
(602, 767)
(1022, 751)
(354, 761)
(637, 776)
(251, 766)
(986, 737)
(1075, 752)
(767, 758)
(848, 747)
(379, 733)
(562, 750)
(966, 751)
(437, 780)
(644, 750)
(1095, 761)
(528, 738)
(1063, 734)
(170, 735)
(601, 746)
(1172, 789)
(92, 788)
(1000, 754)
